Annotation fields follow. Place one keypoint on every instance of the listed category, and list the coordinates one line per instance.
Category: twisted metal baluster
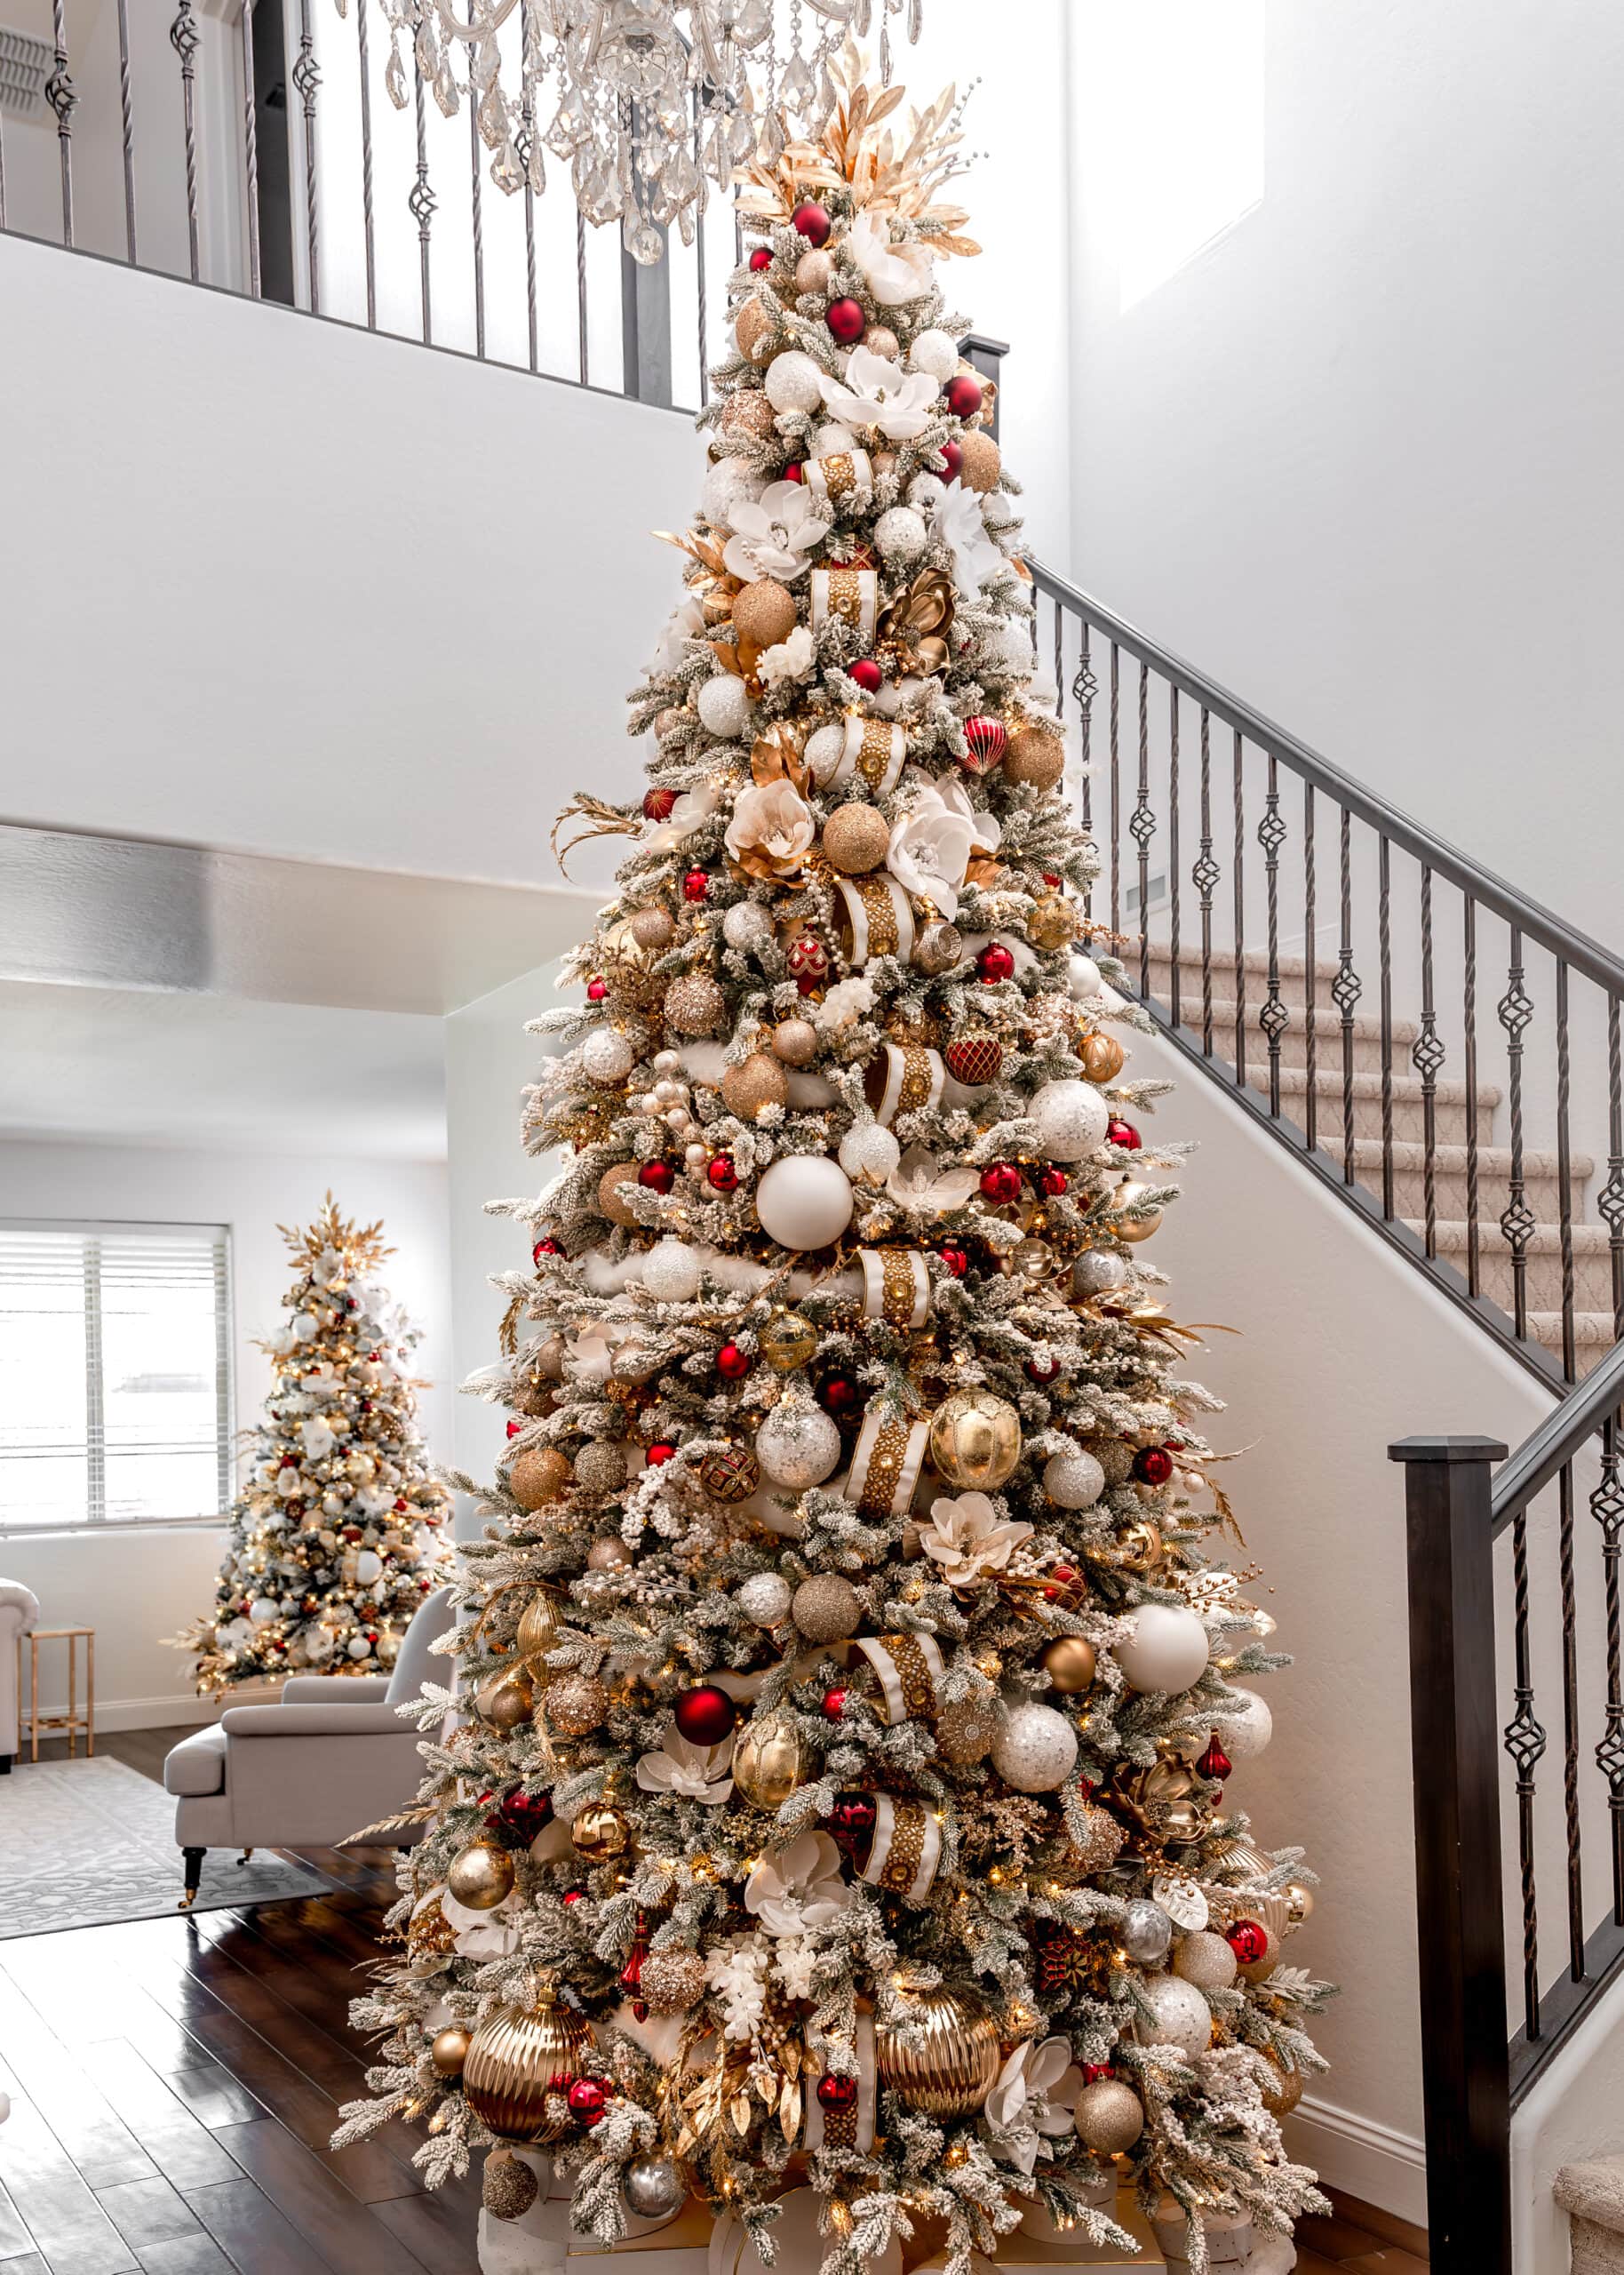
(1610, 1200)
(1570, 1722)
(183, 36)
(1204, 876)
(533, 335)
(1525, 1741)
(1310, 1054)
(1516, 1222)
(1347, 987)
(1607, 1507)
(704, 353)
(580, 283)
(1384, 951)
(306, 78)
(366, 163)
(64, 101)
(1426, 1056)
(1474, 1267)
(1565, 1167)
(1116, 788)
(1240, 916)
(1274, 1018)
(1142, 829)
(250, 146)
(422, 202)
(476, 212)
(126, 113)
(1084, 686)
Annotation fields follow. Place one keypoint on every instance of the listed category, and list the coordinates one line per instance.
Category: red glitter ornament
(846, 321)
(867, 674)
(697, 885)
(760, 260)
(659, 1453)
(836, 2094)
(995, 963)
(705, 1716)
(596, 990)
(1118, 1133)
(657, 1176)
(1053, 1182)
(984, 742)
(964, 397)
(589, 2097)
(1000, 1183)
(834, 1703)
(658, 804)
(813, 223)
(548, 1247)
(1152, 1465)
(956, 1259)
(722, 1176)
(732, 1364)
(954, 457)
(1214, 1763)
(1248, 1939)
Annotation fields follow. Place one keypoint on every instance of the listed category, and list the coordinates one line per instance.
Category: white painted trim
(160, 1713)
(1361, 2156)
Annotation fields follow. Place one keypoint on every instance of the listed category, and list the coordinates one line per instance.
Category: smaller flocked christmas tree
(336, 1535)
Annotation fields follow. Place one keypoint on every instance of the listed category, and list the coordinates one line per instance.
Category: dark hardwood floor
(175, 2083)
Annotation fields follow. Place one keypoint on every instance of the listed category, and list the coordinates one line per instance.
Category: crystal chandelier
(653, 103)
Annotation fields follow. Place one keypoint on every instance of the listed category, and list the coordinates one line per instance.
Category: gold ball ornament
(1069, 1662)
(601, 1466)
(1138, 1547)
(673, 1982)
(770, 1761)
(730, 1476)
(764, 613)
(754, 1084)
(879, 340)
(856, 839)
(615, 1186)
(1110, 2117)
(753, 328)
(481, 1875)
(507, 1701)
(1052, 922)
(1115, 1457)
(548, 1359)
(814, 272)
(787, 1341)
(575, 1704)
(538, 1475)
(1035, 756)
(795, 1042)
(941, 2055)
(1280, 2100)
(748, 417)
(979, 469)
(515, 2057)
(609, 1554)
(1299, 1904)
(672, 720)
(1102, 1057)
(694, 1005)
(600, 1833)
(449, 2049)
(1094, 1839)
(652, 929)
(974, 1439)
(1128, 1196)
(826, 1608)
(509, 2187)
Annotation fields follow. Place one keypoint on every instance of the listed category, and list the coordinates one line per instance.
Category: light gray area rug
(88, 1842)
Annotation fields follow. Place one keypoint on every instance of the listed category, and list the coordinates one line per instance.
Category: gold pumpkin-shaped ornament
(516, 2059)
(537, 1629)
(770, 1761)
(946, 2061)
(974, 1439)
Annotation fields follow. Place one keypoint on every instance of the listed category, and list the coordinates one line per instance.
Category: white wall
(133, 1585)
(1359, 458)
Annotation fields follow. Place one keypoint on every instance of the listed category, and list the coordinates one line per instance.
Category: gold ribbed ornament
(974, 1439)
(770, 1761)
(947, 2063)
(514, 2062)
(537, 1630)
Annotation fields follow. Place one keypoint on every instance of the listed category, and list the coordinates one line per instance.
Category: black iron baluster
(183, 36)
(1310, 1008)
(127, 114)
(1116, 792)
(1474, 1265)
(1607, 1507)
(366, 161)
(1240, 917)
(1384, 950)
(476, 218)
(250, 146)
(1347, 987)
(306, 78)
(1274, 1018)
(1173, 851)
(1084, 686)
(60, 94)
(1564, 1168)
(1516, 1222)
(1142, 829)
(1569, 1721)
(1204, 876)
(1426, 1056)
(1525, 1743)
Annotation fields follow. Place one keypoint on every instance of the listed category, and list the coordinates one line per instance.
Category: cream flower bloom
(918, 1185)
(957, 522)
(773, 533)
(693, 808)
(799, 1889)
(693, 1773)
(950, 794)
(875, 393)
(894, 274)
(969, 1540)
(929, 853)
(1034, 2098)
(788, 659)
(772, 827)
(685, 622)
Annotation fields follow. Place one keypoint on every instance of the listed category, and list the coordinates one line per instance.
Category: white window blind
(115, 1373)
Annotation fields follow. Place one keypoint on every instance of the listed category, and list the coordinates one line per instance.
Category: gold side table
(32, 1721)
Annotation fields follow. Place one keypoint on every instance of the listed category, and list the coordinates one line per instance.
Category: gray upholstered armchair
(333, 1755)
(18, 1615)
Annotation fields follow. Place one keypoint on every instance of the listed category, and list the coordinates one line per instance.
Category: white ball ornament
(1165, 1652)
(607, 1057)
(262, 1610)
(1035, 1750)
(727, 485)
(369, 1564)
(798, 1445)
(1181, 2017)
(671, 1273)
(764, 1599)
(1073, 1479)
(804, 1200)
(832, 440)
(1010, 646)
(869, 1153)
(925, 489)
(825, 750)
(900, 533)
(1207, 1960)
(1097, 1272)
(1246, 1740)
(724, 705)
(936, 352)
(1083, 980)
(793, 382)
(359, 1647)
(1072, 1118)
(745, 925)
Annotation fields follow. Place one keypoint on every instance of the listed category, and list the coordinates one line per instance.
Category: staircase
(1592, 2195)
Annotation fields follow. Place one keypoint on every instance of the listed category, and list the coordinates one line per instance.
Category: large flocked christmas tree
(335, 1538)
(851, 1677)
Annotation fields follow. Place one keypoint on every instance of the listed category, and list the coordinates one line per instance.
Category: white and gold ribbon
(873, 918)
(895, 1286)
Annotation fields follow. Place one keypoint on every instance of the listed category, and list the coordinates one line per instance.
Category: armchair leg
(193, 1859)
(243, 1858)
(6, 1764)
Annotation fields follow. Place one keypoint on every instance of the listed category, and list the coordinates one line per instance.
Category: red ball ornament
(732, 1364)
(573, 1896)
(514, 1428)
(956, 1259)
(722, 1176)
(596, 990)
(953, 458)
(705, 1716)
(834, 1703)
(1063, 1584)
(520, 1816)
(290, 1461)
(1000, 1183)
(1214, 1763)
(1118, 1133)
(813, 223)
(995, 963)
(658, 804)
(984, 740)
(793, 472)
(840, 1395)
(548, 1247)
(588, 2099)
(1053, 1182)
(1152, 1465)
(808, 960)
(867, 674)
(659, 1454)
(836, 2094)
(1042, 1370)
(1093, 2071)
(846, 321)
(964, 395)
(1248, 1939)
(760, 260)
(658, 1176)
(400, 1508)
(852, 1819)
(697, 885)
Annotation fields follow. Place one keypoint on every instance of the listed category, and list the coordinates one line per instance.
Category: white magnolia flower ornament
(694, 1773)
(685, 623)
(773, 534)
(844, 1004)
(951, 796)
(894, 274)
(875, 393)
(917, 1183)
(694, 807)
(958, 522)
(929, 853)
(1034, 2098)
(772, 829)
(969, 1540)
(800, 1888)
(789, 659)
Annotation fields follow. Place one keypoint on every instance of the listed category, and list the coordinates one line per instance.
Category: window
(114, 1374)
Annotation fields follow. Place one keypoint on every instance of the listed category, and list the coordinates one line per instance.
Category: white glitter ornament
(724, 705)
(727, 485)
(1071, 1119)
(1207, 1960)
(1165, 1652)
(936, 352)
(804, 1200)
(1097, 1272)
(869, 1153)
(925, 489)
(798, 1445)
(1244, 1740)
(1073, 1480)
(607, 1057)
(1035, 1750)
(1182, 2015)
(832, 440)
(1083, 981)
(900, 533)
(671, 1273)
(793, 382)
(1010, 646)
(825, 749)
(746, 925)
(764, 1599)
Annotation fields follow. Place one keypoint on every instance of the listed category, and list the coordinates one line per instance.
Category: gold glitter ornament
(1110, 2117)
(749, 417)
(942, 2055)
(481, 1875)
(1115, 1457)
(1052, 922)
(673, 1982)
(514, 2062)
(769, 1760)
(694, 1005)
(856, 839)
(1036, 756)
(754, 1084)
(574, 1704)
(753, 328)
(538, 1475)
(979, 467)
(826, 1608)
(1280, 2100)
(600, 1833)
(764, 613)
(652, 929)
(795, 1042)
(601, 1466)
(1094, 1839)
(1102, 1057)
(609, 1554)
(814, 272)
(879, 340)
(509, 2187)
(974, 1439)
(787, 1341)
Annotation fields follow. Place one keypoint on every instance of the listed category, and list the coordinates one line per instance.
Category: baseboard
(1361, 2156)
(160, 1713)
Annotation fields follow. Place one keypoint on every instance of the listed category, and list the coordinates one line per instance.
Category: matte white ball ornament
(869, 1153)
(1207, 1960)
(1072, 1118)
(1097, 1272)
(359, 1647)
(793, 382)
(1083, 980)
(804, 1200)
(746, 925)
(1182, 2015)
(727, 485)
(798, 1445)
(724, 705)
(671, 1273)
(1035, 1750)
(925, 489)
(900, 533)
(1244, 1740)
(1165, 1652)
(825, 749)
(369, 1564)
(764, 1599)
(936, 352)
(262, 1610)
(607, 1057)
(1073, 1479)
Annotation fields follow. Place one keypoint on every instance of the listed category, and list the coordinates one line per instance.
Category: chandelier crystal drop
(650, 104)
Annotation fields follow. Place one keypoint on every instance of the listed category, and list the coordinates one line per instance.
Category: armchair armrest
(364, 1720)
(318, 1690)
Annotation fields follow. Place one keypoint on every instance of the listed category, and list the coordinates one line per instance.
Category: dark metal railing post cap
(1447, 1450)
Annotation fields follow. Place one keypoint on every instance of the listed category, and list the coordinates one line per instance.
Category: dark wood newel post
(1454, 1751)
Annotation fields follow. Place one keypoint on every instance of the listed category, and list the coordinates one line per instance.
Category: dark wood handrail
(1565, 1430)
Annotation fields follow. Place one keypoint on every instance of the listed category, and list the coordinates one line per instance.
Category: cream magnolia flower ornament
(957, 522)
(693, 808)
(789, 659)
(1034, 2098)
(948, 793)
(772, 830)
(969, 1540)
(929, 853)
(693, 1773)
(685, 622)
(800, 1888)
(894, 274)
(918, 1183)
(773, 534)
(875, 393)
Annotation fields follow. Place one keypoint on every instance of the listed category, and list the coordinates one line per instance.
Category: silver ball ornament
(900, 533)
(869, 1153)
(764, 1599)
(1097, 1272)
(1146, 1932)
(653, 2186)
(1073, 1479)
(746, 925)
(798, 1445)
(607, 1057)
(1071, 1119)
(1035, 1750)
(1083, 980)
